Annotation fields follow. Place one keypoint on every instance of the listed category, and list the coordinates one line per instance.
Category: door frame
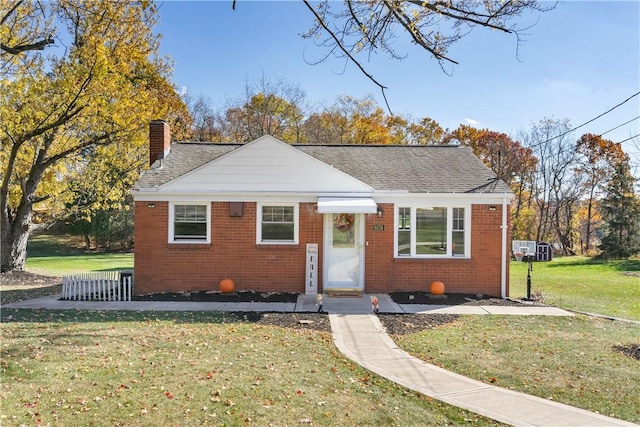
(328, 245)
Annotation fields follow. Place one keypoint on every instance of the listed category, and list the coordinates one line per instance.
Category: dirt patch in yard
(631, 350)
(21, 285)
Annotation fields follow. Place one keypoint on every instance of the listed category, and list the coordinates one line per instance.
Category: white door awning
(346, 205)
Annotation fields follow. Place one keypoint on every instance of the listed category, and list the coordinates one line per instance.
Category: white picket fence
(103, 286)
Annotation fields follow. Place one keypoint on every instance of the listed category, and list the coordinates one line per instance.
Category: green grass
(191, 369)
(43, 244)
(57, 255)
(61, 265)
(583, 284)
(202, 368)
(567, 359)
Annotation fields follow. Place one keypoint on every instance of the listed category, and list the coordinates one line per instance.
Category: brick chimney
(159, 140)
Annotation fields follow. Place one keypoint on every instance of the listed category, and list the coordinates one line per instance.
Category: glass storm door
(344, 251)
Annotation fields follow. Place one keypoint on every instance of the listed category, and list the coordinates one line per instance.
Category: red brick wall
(233, 252)
(167, 267)
(479, 274)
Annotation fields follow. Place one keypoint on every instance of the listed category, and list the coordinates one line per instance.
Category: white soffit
(346, 205)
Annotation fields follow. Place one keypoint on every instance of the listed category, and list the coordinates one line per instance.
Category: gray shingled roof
(182, 158)
(416, 169)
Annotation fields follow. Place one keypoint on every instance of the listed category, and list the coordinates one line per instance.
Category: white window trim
(448, 255)
(296, 223)
(172, 218)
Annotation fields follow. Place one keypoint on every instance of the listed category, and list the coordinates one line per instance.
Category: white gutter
(503, 273)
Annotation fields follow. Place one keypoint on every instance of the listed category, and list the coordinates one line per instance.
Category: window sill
(432, 257)
(277, 243)
(188, 247)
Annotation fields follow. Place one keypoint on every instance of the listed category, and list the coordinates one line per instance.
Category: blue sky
(577, 61)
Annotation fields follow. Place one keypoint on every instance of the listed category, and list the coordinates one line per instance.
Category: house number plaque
(378, 227)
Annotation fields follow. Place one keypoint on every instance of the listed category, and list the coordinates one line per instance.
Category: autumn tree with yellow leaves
(81, 79)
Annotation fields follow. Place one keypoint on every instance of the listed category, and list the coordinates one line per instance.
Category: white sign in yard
(311, 286)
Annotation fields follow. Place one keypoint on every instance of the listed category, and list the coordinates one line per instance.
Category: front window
(189, 223)
(457, 233)
(404, 231)
(278, 223)
(432, 231)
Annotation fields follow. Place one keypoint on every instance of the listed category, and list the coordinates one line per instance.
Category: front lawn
(60, 254)
(610, 288)
(192, 369)
(578, 360)
(69, 264)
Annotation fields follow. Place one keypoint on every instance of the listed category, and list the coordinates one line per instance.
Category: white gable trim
(265, 165)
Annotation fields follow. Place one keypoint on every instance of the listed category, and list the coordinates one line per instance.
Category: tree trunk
(16, 223)
(587, 245)
(15, 235)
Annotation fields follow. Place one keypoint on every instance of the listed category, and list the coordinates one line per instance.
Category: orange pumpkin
(436, 288)
(227, 286)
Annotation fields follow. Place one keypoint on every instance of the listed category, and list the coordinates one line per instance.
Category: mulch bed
(208, 296)
(404, 324)
(309, 321)
(251, 296)
(448, 299)
(395, 324)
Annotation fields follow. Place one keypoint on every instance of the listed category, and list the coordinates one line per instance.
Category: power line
(619, 126)
(587, 122)
(628, 139)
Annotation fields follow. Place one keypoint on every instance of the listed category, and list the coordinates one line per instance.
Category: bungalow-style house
(276, 217)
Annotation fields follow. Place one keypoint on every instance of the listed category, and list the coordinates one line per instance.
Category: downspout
(503, 278)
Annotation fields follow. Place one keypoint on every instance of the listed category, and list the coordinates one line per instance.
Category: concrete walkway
(359, 335)
(362, 338)
(304, 304)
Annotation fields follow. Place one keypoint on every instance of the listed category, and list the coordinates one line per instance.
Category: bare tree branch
(15, 50)
(444, 9)
(347, 53)
(433, 25)
(416, 35)
(11, 11)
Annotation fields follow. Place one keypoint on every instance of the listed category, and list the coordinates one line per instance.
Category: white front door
(344, 251)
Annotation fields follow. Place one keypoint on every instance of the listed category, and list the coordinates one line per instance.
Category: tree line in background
(574, 191)
(81, 79)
